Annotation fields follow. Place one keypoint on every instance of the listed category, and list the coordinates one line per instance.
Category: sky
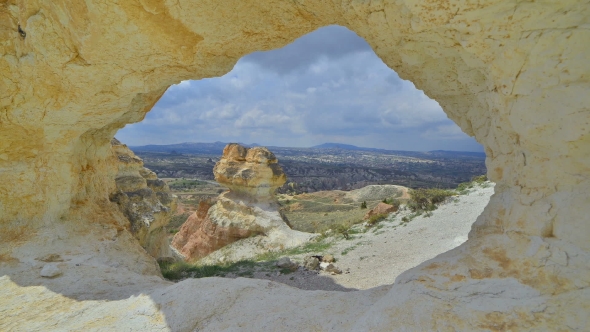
(326, 87)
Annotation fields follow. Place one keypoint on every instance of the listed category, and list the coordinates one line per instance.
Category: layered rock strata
(247, 209)
(512, 74)
(145, 201)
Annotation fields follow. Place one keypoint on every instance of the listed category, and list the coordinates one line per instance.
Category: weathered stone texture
(145, 201)
(513, 74)
(254, 172)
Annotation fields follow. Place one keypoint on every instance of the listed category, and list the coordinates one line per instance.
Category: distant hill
(453, 154)
(216, 148)
(434, 153)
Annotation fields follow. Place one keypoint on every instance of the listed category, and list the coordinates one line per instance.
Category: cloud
(331, 42)
(327, 86)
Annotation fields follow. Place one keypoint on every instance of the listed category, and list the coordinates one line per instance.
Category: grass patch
(177, 220)
(351, 248)
(427, 199)
(374, 219)
(185, 184)
(181, 270)
(310, 247)
(245, 268)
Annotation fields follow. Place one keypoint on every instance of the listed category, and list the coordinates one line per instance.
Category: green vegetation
(427, 199)
(363, 205)
(177, 221)
(185, 185)
(245, 268)
(180, 270)
(351, 248)
(480, 179)
(310, 247)
(374, 219)
(463, 188)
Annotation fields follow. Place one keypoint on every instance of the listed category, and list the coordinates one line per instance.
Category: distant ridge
(438, 153)
(216, 148)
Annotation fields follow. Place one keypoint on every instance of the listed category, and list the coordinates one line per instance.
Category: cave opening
(325, 103)
(511, 73)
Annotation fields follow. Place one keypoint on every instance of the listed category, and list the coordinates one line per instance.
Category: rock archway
(513, 74)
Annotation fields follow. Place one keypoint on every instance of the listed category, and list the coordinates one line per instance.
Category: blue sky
(327, 86)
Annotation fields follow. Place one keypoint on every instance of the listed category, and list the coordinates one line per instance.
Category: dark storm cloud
(328, 86)
(332, 42)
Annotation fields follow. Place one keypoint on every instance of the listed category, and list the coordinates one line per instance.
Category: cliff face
(248, 209)
(512, 74)
(145, 201)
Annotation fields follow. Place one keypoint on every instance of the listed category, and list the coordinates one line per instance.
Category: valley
(326, 167)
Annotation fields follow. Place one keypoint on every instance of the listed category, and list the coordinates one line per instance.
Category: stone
(50, 271)
(328, 258)
(512, 74)
(330, 268)
(286, 263)
(254, 172)
(311, 263)
(381, 208)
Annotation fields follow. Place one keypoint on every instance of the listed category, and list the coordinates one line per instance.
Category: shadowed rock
(144, 199)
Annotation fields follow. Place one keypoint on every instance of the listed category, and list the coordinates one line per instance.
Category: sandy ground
(377, 256)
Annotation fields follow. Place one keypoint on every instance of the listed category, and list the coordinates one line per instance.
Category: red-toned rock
(199, 235)
(381, 208)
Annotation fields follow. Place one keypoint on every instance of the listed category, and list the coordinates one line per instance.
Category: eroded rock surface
(144, 199)
(253, 172)
(512, 74)
(247, 209)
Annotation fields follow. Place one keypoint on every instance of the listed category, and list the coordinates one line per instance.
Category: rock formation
(144, 199)
(513, 74)
(247, 209)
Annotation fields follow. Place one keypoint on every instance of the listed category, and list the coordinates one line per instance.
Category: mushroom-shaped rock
(248, 209)
(252, 172)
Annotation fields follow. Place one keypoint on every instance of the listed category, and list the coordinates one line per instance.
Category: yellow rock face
(512, 74)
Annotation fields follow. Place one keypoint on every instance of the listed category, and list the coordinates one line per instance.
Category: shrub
(363, 205)
(427, 199)
(396, 203)
(376, 218)
(480, 179)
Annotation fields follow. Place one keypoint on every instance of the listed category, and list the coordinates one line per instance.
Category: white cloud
(310, 92)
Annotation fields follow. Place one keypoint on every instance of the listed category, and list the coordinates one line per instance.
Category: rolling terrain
(328, 166)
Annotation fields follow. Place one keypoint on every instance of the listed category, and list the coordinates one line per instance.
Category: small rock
(50, 271)
(311, 263)
(329, 267)
(328, 258)
(286, 263)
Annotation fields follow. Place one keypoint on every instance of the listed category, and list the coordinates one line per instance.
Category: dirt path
(377, 256)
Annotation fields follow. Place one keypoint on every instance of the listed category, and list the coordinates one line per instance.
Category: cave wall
(514, 74)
